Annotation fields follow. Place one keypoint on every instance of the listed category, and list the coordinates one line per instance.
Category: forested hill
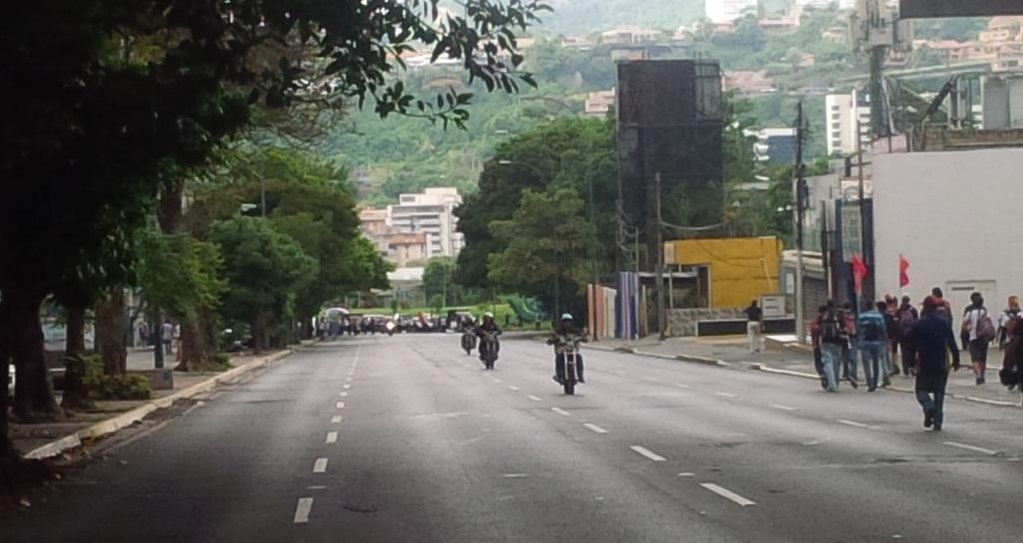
(585, 16)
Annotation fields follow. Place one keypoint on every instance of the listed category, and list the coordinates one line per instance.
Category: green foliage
(547, 241)
(437, 303)
(265, 270)
(179, 273)
(128, 386)
(438, 279)
(587, 16)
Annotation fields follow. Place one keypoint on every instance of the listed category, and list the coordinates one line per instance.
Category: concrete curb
(128, 418)
(702, 360)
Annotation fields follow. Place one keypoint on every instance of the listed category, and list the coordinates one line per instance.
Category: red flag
(859, 270)
(903, 272)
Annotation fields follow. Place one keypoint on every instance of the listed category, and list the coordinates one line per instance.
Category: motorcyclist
(566, 328)
(489, 325)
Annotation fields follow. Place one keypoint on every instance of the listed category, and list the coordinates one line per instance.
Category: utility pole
(659, 237)
(593, 255)
(799, 189)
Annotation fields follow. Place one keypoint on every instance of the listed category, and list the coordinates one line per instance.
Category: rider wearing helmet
(566, 327)
(489, 325)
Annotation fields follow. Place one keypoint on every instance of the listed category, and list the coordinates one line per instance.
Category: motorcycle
(569, 346)
(488, 349)
(468, 341)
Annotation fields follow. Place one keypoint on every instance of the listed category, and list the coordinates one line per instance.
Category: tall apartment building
(847, 117)
(431, 212)
(726, 11)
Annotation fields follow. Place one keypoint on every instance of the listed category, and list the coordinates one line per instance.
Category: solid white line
(648, 453)
(853, 423)
(305, 506)
(725, 394)
(331, 437)
(728, 494)
(783, 407)
(535, 398)
(596, 429)
(340, 405)
(336, 419)
(320, 466)
(513, 387)
(971, 448)
(561, 411)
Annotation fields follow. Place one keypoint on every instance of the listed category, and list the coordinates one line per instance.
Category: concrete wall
(682, 322)
(741, 269)
(955, 217)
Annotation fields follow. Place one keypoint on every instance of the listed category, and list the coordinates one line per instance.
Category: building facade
(775, 145)
(432, 213)
(848, 119)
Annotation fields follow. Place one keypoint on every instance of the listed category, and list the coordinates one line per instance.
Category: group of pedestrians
(925, 339)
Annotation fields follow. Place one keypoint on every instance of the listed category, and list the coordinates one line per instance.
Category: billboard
(910, 9)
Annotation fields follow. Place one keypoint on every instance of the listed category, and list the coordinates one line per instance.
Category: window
(836, 117)
(836, 134)
(836, 108)
(836, 143)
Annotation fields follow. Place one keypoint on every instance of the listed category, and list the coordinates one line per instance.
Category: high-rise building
(726, 11)
(431, 212)
(847, 117)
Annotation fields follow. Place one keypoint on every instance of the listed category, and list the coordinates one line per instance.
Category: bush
(129, 386)
(221, 361)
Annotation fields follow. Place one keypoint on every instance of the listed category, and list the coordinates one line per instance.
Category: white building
(847, 117)
(726, 11)
(432, 213)
(964, 243)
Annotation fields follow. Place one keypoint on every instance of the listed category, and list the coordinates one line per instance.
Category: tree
(438, 279)
(547, 245)
(119, 99)
(265, 271)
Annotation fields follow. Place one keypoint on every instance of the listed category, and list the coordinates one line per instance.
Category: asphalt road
(406, 439)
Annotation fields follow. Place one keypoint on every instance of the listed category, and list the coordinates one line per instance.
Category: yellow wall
(741, 269)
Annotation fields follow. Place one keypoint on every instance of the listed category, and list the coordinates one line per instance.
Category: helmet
(566, 316)
(488, 315)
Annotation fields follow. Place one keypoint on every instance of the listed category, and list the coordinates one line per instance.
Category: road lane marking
(971, 448)
(725, 394)
(596, 429)
(348, 379)
(535, 398)
(515, 475)
(783, 407)
(340, 405)
(336, 419)
(316, 487)
(687, 474)
(728, 494)
(498, 381)
(561, 411)
(343, 394)
(302, 510)
(680, 385)
(513, 387)
(320, 466)
(648, 453)
(346, 386)
(331, 437)
(856, 424)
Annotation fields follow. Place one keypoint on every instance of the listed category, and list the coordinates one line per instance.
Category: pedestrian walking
(850, 353)
(944, 309)
(906, 318)
(754, 326)
(1008, 321)
(891, 320)
(143, 335)
(832, 341)
(873, 343)
(815, 341)
(933, 341)
(1011, 374)
(980, 331)
(167, 336)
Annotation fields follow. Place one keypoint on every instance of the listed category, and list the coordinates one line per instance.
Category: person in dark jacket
(933, 339)
(489, 325)
(566, 328)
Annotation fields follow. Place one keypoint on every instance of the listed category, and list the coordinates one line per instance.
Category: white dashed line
(346, 386)
(302, 510)
(856, 424)
(343, 394)
(971, 448)
(498, 381)
(340, 405)
(725, 394)
(687, 474)
(320, 466)
(336, 419)
(515, 475)
(680, 385)
(561, 411)
(535, 398)
(348, 379)
(331, 437)
(648, 453)
(783, 407)
(728, 494)
(513, 387)
(597, 429)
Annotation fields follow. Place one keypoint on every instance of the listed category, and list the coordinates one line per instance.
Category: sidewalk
(51, 439)
(797, 362)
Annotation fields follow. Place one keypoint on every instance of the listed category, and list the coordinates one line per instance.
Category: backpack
(831, 330)
(985, 327)
(906, 321)
(871, 330)
(1011, 323)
